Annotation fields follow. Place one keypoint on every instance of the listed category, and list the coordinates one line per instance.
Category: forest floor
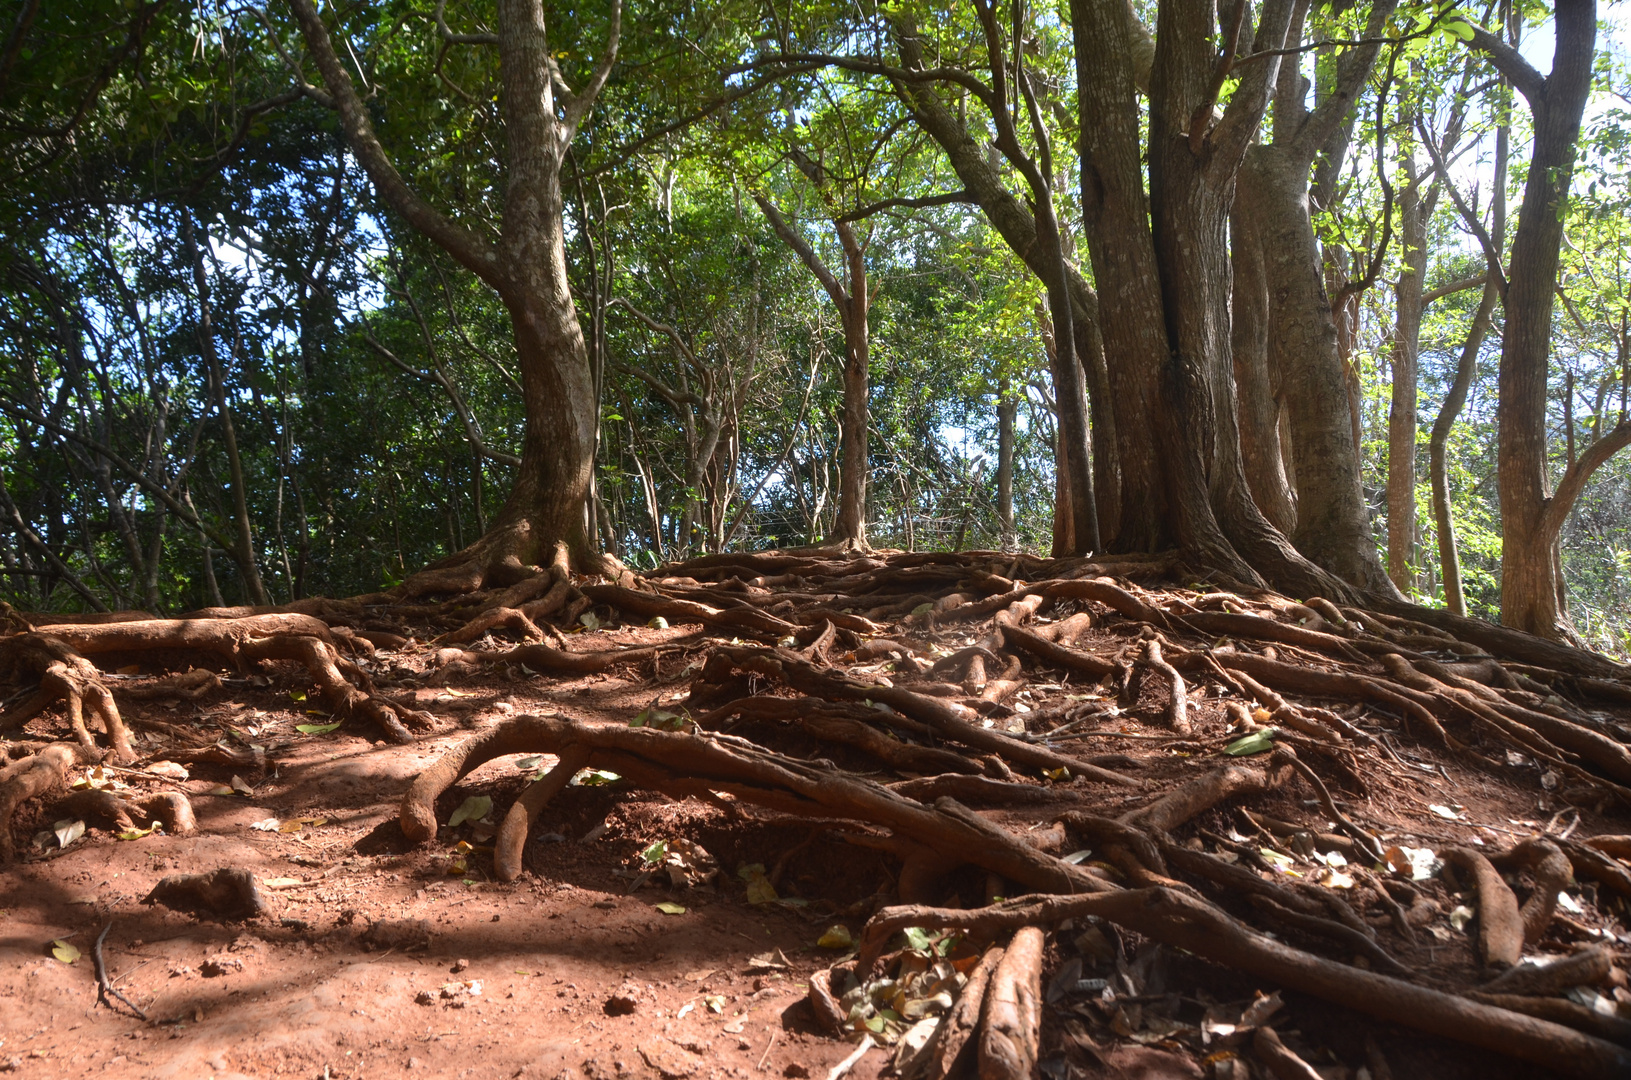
(671, 935)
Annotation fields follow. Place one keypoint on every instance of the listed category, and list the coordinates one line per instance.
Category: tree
(1291, 345)
(1531, 518)
(544, 518)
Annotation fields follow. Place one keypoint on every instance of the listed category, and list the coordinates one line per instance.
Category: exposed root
(345, 688)
(33, 775)
(171, 809)
(681, 764)
(1184, 922)
(1011, 1021)
(226, 893)
(1500, 926)
(66, 676)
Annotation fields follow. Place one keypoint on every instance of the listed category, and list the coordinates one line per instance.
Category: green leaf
(1255, 743)
(917, 938)
(317, 729)
(669, 908)
(64, 951)
(595, 778)
(474, 808)
(655, 854)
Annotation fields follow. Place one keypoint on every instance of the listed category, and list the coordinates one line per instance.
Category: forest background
(232, 372)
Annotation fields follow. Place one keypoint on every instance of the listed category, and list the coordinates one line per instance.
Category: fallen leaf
(68, 831)
(266, 824)
(1257, 742)
(317, 729)
(64, 951)
(474, 808)
(760, 890)
(715, 1002)
(594, 778)
(670, 908)
(1461, 916)
(836, 937)
(1061, 774)
(137, 834)
(1569, 904)
(1448, 813)
(240, 785)
(169, 770)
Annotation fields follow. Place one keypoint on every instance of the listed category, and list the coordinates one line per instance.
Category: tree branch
(1509, 62)
(470, 251)
(919, 203)
(805, 252)
(1576, 475)
(1453, 287)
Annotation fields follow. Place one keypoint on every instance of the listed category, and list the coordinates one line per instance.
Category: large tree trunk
(1172, 283)
(1529, 518)
(1262, 413)
(1292, 370)
(545, 517)
(1333, 525)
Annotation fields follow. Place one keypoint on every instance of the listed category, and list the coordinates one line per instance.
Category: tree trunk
(545, 510)
(1529, 517)
(1262, 413)
(1039, 247)
(1333, 525)
(856, 462)
(1007, 410)
(1449, 558)
(243, 553)
(1414, 215)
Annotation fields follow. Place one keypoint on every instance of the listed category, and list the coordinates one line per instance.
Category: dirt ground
(588, 967)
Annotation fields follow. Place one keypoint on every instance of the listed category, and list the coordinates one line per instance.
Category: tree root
(227, 893)
(344, 687)
(171, 809)
(1184, 922)
(681, 764)
(954, 1041)
(33, 775)
(1550, 868)
(1500, 925)
(1279, 1059)
(1011, 1020)
(67, 676)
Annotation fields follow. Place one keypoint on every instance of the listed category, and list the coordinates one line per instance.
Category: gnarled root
(65, 675)
(1184, 922)
(1500, 925)
(227, 893)
(681, 764)
(33, 775)
(344, 687)
(170, 809)
(1011, 1022)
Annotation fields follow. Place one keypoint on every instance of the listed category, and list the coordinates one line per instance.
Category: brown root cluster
(921, 664)
(961, 691)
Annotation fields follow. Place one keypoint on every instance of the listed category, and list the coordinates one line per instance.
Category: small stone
(220, 965)
(795, 1071)
(415, 1063)
(218, 1062)
(424, 997)
(11, 1064)
(459, 965)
